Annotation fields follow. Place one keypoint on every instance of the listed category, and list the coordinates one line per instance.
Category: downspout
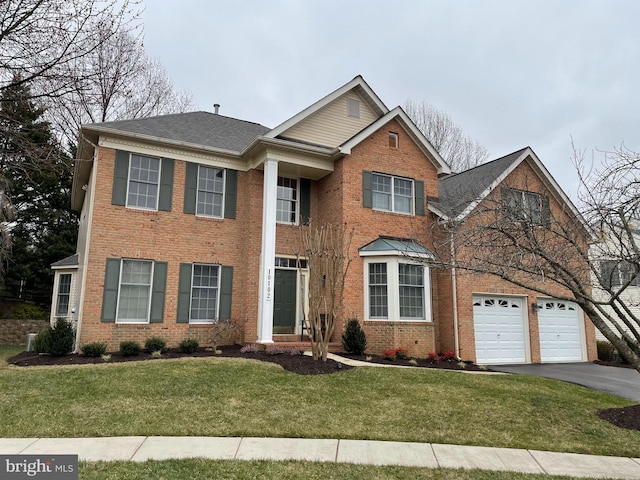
(454, 296)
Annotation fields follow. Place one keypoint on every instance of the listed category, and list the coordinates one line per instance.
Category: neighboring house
(191, 218)
(617, 275)
(64, 288)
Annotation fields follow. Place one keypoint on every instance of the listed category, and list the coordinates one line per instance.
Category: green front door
(284, 306)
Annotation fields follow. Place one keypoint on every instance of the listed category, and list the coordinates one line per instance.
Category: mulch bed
(627, 417)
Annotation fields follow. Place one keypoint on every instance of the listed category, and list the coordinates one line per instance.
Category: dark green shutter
(546, 213)
(120, 177)
(166, 185)
(110, 295)
(230, 193)
(367, 194)
(158, 292)
(190, 187)
(305, 201)
(184, 293)
(226, 290)
(419, 197)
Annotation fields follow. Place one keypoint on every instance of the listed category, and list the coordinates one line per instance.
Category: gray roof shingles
(71, 261)
(196, 128)
(457, 191)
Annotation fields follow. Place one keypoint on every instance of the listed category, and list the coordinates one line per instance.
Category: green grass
(199, 469)
(7, 351)
(233, 397)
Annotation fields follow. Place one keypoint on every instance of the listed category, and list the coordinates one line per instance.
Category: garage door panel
(559, 331)
(499, 329)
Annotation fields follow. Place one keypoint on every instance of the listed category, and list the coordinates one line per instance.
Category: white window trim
(135, 207)
(523, 206)
(215, 320)
(297, 219)
(59, 283)
(393, 194)
(224, 190)
(393, 289)
(130, 321)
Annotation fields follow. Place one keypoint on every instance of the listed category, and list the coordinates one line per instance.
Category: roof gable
(356, 88)
(461, 193)
(418, 137)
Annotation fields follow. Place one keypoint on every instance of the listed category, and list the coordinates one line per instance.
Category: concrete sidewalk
(427, 455)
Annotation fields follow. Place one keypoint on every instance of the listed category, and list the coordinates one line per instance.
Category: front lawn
(233, 397)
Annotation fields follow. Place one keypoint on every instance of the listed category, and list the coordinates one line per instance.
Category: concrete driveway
(624, 382)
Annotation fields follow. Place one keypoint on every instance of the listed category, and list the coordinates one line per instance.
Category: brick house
(190, 218)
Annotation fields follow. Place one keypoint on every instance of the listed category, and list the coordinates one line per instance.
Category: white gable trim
(399, 114)
(356, 82)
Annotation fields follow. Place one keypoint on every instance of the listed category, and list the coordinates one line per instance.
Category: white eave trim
(399, 114)
(356, 82)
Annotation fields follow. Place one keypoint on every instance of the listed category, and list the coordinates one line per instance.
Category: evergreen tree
(39, 176)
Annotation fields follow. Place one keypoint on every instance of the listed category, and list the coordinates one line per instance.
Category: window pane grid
(64, 294)
(287, 200)
(210, 191)
(135, 289)
(393, 194)
(378, 297)
(144, 177)
(204, 293)
(411, 290)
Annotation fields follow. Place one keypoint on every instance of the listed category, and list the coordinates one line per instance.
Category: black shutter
(419, 184)
(158, 292)
(226, 290)
(166, 185)
(190, 187)
(230, 193)
(305, 201)
(367, 194)
(120, 177)
(110, 294)
(184, 293)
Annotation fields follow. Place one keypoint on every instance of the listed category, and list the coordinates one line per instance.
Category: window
(378, 304)
(393, 140)
(616, 273)
(526, 207)
(204, 293)
(210, 192)
(411, 288)
(64, 295)
(353, 108)
(135, 291)
(144, 181)
(287, 204)
(398, 290)
(392, 194)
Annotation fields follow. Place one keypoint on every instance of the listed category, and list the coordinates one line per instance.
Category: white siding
(331, 126)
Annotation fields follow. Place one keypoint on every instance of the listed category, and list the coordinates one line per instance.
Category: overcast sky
(510, 73)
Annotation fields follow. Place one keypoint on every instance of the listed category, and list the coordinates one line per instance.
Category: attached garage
(499, 324)
(560, 331)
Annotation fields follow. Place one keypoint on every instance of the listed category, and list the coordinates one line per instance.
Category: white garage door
(499, 329)
(560, 335)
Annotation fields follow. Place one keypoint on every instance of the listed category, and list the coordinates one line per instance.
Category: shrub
(448, 355)
(30, 312)
(94, 349)
(354, 340)
(389, 354)
(433, 357)
(402, 353)
(250, 348)
(188, 345)
(130, 349)
(61, 339)
(42, 341)
(154, 344)
(606, 351)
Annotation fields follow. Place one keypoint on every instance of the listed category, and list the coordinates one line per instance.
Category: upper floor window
(210, 191)
(144, 182)
(287, 204)
(393, 139)
(393, 194)
(616, 273)
(528, 207)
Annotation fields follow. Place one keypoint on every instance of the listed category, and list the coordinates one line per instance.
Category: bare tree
(457, 149)
(40, 40)
(326, 249)
(551, 251)
(122, 83)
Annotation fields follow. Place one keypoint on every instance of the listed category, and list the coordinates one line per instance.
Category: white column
(267, 259)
